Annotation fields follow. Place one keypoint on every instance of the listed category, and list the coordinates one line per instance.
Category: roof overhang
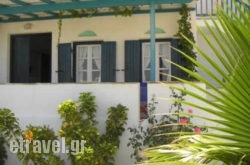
(25, 10)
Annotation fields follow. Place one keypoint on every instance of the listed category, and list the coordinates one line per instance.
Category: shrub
(162, 129)
(79, 123)
(37, 155)
(9, 129)
(3, 152)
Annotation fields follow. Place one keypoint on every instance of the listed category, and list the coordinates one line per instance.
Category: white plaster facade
(107, 28)
(37, 104)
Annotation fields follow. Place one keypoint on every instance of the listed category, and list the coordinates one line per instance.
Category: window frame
(89, 70)
(157, 69)
(75, 44)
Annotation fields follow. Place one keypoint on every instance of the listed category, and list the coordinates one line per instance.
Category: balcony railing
(208, 7)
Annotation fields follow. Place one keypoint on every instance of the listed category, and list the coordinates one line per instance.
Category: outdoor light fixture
(27, 26)
(157, 31)
(87, 33)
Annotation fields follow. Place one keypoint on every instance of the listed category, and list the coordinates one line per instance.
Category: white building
(104, 54)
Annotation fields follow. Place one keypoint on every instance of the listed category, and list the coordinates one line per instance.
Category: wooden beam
(89, 4)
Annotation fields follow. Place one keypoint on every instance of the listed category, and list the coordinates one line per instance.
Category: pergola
(29, 10)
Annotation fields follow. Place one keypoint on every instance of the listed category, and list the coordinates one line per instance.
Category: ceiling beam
(55, 16)
(47, 1)
(80, 5)
(19, 2)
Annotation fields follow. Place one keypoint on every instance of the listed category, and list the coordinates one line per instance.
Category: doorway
(30, 60)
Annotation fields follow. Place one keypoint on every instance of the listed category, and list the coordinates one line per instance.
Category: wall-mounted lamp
(87, 33)
(157, 31)
(28, 26)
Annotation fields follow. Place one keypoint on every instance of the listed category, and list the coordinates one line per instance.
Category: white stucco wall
(107, 28)
(162, 94)
(203, 45)
(36, 104)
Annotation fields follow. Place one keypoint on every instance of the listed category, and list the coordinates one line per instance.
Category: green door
(20, 51)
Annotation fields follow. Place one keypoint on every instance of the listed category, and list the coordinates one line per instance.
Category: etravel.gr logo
(45, 146)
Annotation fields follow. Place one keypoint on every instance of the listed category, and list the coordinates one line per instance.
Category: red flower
(190, 110)
(197, 130)
(183, 121)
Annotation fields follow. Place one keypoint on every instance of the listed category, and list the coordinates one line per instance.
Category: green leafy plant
(123, 10)
(9, 125)
(230, 144)
(9, 129)
(158, 130)
(79, 123)
(35, 154)
(59, 25)
(185, 29)
(3, 152)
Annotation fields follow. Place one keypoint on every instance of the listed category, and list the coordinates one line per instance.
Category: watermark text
(46, 146)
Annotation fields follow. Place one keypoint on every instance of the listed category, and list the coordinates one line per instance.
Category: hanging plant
(185, 30)
(119, 10)
(59, 23)
(123, 10)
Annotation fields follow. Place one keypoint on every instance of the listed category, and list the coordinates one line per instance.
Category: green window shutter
(64, 62)
(108, 62)
(20, 51)
(132, 61)
(177, 58)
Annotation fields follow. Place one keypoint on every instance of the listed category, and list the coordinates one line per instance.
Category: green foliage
(230, 143)
(144, 136)
(9, 129)
(59, 25)
(9, 125)
(185, 29)
(37, 155)
(114, 126)
(118, 10)
(164, 130)
(87, 107)
(123, 10)
(79, 123)
(3, 152)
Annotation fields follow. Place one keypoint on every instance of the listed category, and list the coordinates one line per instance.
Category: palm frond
(231, 44)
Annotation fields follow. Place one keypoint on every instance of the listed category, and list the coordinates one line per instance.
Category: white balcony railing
(208, 7)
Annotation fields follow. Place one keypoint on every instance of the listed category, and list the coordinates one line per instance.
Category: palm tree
(231, 146)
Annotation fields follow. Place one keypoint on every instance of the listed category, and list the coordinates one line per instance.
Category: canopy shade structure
(28, 10)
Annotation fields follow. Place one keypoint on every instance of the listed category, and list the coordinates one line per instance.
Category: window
(88, 63)
(92, 61)
(163, 53)
(137, 60)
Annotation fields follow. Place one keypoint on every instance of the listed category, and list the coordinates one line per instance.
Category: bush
(37, 155)
(79, 123)
(162, 129)
(3, 152)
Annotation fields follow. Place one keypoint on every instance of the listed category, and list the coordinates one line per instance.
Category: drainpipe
(152, 40)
